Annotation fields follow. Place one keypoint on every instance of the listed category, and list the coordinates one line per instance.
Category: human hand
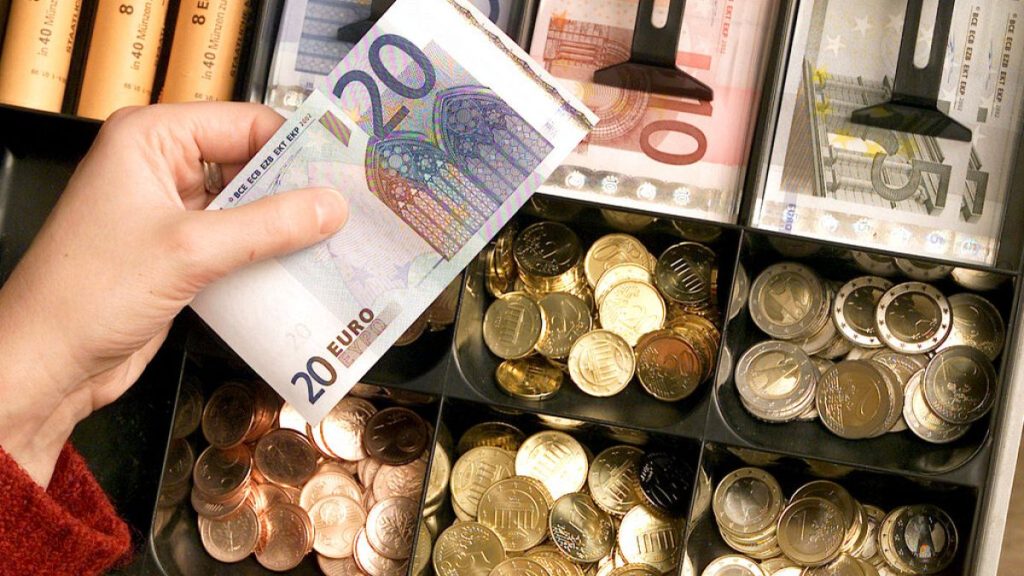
(125, 249)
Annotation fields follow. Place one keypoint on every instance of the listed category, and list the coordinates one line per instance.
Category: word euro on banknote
(885, 188)
(437, 128)
(308, 47)
(651, 151)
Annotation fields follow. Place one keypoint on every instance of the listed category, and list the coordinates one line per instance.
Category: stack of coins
(603, 317)
(821, 530)
(541, 505)
(271, 485)
(438, 316)
(910, 356)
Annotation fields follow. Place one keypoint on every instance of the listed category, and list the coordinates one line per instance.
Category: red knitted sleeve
(68, 529)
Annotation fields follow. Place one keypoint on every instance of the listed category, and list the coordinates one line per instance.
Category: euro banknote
(308, 47)
(884, 188)
(651, 151)
(437, 128)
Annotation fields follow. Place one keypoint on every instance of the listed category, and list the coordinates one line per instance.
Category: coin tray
(704, 543)
(475, 380)
(731, 421)
(174, 541)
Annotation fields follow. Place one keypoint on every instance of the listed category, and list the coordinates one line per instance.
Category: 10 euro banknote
(437, 128)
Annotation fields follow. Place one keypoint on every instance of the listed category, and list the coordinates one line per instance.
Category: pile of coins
(273, 486)
(438, 316)
(542, 505)
(821, 530)
(602, 316)
(868, 357)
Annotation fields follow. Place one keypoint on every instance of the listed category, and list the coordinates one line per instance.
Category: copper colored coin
(204, 506)
(285, 457)
(405, 480)
(371, 562)
(342, 428)
(339, 566)
(263, 496)
(327, 484)
(228, 416)
(391, 526)
(220, 474)
(231, 538)
(286, 537)
(396, 436)
(337, 521)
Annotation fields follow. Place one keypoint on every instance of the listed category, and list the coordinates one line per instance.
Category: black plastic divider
(474, 378)
(174, 543)
(887, 491)
(964, 461)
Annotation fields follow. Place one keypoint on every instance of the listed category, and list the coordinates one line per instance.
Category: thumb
(223, 240)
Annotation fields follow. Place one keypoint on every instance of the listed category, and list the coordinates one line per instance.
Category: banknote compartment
(474, 365)
(773, 119)
(966, 459)
(174, 541)
(888, 491)
(457, 416)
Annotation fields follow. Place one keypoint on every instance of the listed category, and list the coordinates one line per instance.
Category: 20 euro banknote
(437, 129)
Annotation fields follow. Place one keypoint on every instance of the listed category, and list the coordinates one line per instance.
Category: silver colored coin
(896, 393)
(922, 271)
(960, 384)
(923, 422)
(819, 341)
(921, 538)
(976, 323)
(979, 280)
(913, 318)
(775, 378)
(740, 292)
(904, 365)
(724, 367)
(733, 565)
(853, 310)
(877, 264)
(858, 353)
(788, 301)
(853, 400)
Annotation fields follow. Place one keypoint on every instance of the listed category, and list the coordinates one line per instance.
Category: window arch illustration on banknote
(446, 185)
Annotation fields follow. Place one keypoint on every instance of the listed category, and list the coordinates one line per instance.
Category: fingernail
(331, 210)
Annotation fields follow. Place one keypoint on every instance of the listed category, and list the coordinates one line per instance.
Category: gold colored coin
(554, 458)
(513, 325)
(496, 434)
(529, 378)
(632, 309)
(475, 472)
(521, 566)
(811, 531)
(635, 570)
(618, 274)
(614, 477)
(610, 250)
(580, 529)
(601, 363)
(554, 561)
(566, 318)
(546, 249)
(668, 366)
(231, 538)
(467, 549)
(517, 510)
(648, 538)
(440, 474)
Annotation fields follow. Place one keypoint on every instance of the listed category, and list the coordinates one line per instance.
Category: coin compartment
(174, 541)
(966, 459)
(457, 416)
(888, 491)
(474, 377)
